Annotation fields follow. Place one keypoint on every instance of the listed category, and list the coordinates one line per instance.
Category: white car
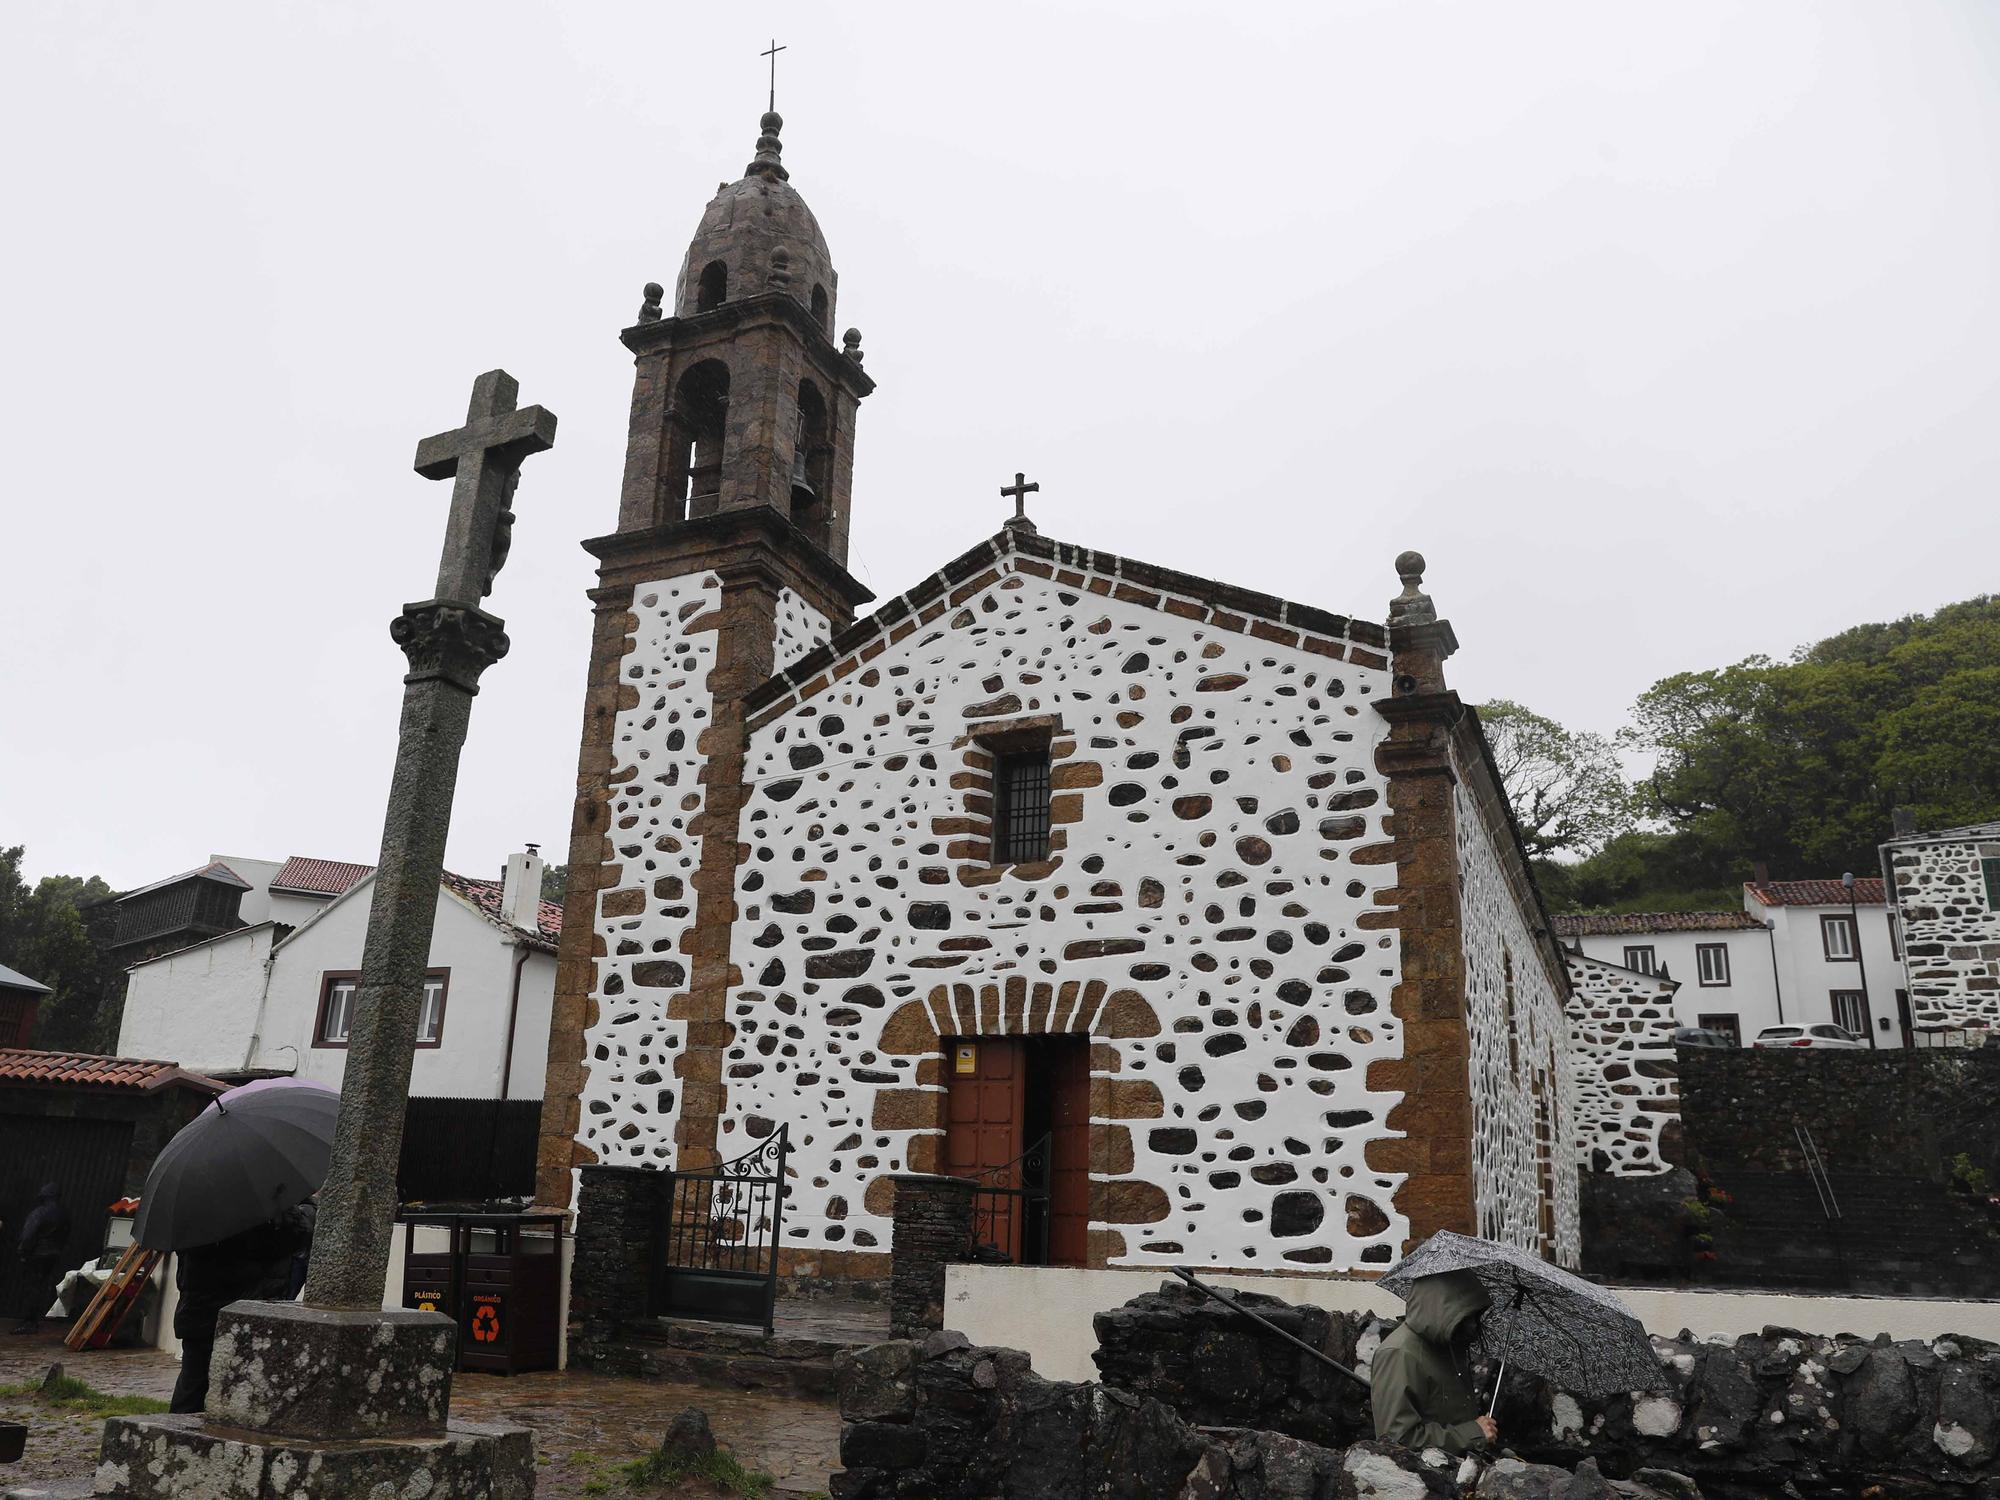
(1822, 1035)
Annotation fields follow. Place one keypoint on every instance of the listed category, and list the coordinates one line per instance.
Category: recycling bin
(501, 1279)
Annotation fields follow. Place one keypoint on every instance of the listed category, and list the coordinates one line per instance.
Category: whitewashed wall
(630, 1096)
(481, 959)
(800, 628)
(1241, 907)
(1518, 1031)
(1621, 1053)
(1751, 995)
(1810, 978)
(198, 1007)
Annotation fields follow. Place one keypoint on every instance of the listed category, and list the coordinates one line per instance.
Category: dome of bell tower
(757, 235)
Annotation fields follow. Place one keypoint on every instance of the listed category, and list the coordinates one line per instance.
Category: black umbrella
(252, 1154)
(1573, 1333)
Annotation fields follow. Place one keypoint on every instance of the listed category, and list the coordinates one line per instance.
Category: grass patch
(67, 1393)
(718, 1468)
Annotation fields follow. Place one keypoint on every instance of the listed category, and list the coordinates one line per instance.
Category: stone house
(1946, 888)
(1212, 897)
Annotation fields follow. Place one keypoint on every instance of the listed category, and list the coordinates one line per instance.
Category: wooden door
(985, 1102)
(1069, 1153)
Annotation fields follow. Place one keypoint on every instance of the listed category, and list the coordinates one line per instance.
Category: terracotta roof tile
(319, 877)
(1867, 892)
(485, 894)
(1620, 923)
(86, 1070)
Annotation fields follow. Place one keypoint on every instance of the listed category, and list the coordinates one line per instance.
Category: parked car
(1823, 1034)
(1702, 1036)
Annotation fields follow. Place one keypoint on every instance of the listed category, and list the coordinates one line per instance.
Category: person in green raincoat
(1421, 1376)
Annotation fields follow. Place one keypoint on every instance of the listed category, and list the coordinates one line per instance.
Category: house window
(1711, 961)
(1021, 807)
(1895, 938)
(1724, 1022)
(1990, 868)
(336, 1008)
(1642, 959)
(1850, 1011)
(1836, 935)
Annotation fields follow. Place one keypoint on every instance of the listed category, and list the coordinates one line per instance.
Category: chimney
(1760, 873)
(521, 890)
(1902, 823)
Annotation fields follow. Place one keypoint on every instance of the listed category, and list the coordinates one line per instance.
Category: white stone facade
(1621, 1051)
(631, 1096)
(1523, 1102)
(1943, 886)
(1220, 785)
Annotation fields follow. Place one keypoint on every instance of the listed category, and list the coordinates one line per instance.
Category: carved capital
(454, 642)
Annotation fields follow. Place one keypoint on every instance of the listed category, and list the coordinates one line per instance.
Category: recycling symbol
(486, 1325)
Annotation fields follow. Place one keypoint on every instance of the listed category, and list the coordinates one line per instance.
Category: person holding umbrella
(1421, 1377)
(224, 1194)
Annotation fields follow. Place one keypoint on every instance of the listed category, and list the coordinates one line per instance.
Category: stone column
(932, 1229)
(1434, 1072)
(611, 1274)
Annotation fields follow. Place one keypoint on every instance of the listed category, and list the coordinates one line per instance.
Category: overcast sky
(1668, 332)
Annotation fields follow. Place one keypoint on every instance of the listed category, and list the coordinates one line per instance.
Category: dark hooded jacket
(46, 1231)
(1421, 1377)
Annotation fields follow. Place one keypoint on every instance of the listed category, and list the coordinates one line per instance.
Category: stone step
(797, 1356)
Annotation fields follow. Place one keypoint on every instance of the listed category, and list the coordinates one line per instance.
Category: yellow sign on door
(965, 1059)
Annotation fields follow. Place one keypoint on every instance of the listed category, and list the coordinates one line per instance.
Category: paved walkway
(585, 1425)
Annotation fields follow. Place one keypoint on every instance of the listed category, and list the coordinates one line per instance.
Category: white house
(274, 997)
(1799, 952)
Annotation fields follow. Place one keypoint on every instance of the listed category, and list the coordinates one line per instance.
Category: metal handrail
(1816, 1173)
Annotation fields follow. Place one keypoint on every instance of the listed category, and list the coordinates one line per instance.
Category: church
(1209, 902)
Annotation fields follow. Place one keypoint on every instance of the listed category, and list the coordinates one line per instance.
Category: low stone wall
(943, 1420)
(933, 1228)
(1745, 1418)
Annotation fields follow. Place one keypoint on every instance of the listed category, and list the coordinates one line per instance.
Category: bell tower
(729, 559)
(742, 397)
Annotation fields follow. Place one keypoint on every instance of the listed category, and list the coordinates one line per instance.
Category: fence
(468, 1150)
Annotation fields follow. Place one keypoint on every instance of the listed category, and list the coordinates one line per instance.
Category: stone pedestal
(932, 1229)
(311, 1403)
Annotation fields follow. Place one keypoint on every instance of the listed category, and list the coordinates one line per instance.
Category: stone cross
(1018, 492)
(483, 461)
(449, 641)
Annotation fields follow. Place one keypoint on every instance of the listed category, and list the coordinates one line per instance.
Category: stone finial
(649, 310)
(850, 344)
(1413, 605)
(766, 163)
(780, 275)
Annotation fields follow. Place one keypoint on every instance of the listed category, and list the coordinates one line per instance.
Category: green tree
(1801, 762)
(1567, 789)
(46, 933)
(555, 882)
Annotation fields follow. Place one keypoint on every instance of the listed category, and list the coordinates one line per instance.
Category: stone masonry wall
(1781, 1412)
(1199, 917)
(800, 628)
(1523, 1095)
(1951, 933)
(646, 904)
(1621, 1054)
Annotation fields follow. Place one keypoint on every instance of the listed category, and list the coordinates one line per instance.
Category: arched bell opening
(697, 420)
(812, 465)
(714, 288)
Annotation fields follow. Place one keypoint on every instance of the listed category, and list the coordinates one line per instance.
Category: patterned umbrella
(1573, 1333)
(252, 1154)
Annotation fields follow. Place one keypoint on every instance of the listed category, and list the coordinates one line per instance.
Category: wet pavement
(585, 1425)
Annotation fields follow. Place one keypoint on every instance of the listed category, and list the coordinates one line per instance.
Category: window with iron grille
(1021, 807)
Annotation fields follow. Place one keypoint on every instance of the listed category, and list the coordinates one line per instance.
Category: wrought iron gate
(1010, 1210)
(716, 1247)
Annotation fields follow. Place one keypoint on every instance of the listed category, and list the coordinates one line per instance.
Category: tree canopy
(46, 934)
(1796, 763)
